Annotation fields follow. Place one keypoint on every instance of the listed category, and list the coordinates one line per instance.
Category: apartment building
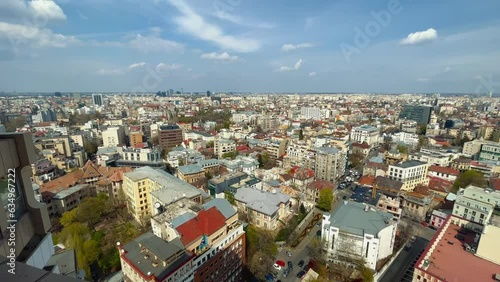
(264, 209)
(490, 152)
(310, 113)
(146, 185)
(365, 133)
(476, 204)
(223, 146)
(67, 199)
(474, 147)
(169, 136)
(132, 157)
(446, 173)
(113, 136)
(356, 230)
(330, 163)
(212, 233)
(135, 138)
(410, 173)
(149, 258)
(434, 157)
(299, 154)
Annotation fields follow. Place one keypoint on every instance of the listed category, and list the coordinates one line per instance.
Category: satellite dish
(157, 205)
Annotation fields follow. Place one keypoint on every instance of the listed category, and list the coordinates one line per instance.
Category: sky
(385, 46)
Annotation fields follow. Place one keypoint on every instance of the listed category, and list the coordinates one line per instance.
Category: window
(12, 185)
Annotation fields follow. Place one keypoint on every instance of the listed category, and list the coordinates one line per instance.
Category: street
(402, 268)
(299, 253)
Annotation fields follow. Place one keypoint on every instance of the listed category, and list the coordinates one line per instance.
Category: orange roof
(367, 180)
(440, 185)
(90, 170)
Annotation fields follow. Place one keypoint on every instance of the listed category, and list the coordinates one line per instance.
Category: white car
(276, 266)
(288, 253)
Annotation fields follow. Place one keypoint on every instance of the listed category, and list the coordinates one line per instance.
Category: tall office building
(169, 136)
(420, 114)
(97, 99)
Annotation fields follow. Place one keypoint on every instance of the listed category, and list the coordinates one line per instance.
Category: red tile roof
(495, 183)
(444, 170)
(320, 185)
(205, 223)
(440, 185)
(361, 145)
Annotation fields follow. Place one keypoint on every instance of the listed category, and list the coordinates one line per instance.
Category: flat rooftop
(352, 218)
(408, 164)
(448, 259)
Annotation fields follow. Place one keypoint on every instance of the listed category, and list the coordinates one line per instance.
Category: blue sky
(391, 46)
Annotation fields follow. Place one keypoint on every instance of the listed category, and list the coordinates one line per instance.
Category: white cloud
(219, 57)
(36, 12)
(295, 67)
(110, 72)
(48, 9)
(423, 79)
(136, 65)
(420, 37)
(313, 73)
(154, 44)
(194, 24)
(291, 47)
(37, 37)
(223, 15)
(163, 68)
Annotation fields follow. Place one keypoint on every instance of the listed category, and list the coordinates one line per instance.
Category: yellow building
(139, 185)
(135, 138)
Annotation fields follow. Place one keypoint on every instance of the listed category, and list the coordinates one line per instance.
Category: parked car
(290, 264)
(460, 237)
(301, 274)
(288, 253)
(433, 227)
(276, 266)
(424, 224)
(269, 277)
(301, 263)
(286, 272)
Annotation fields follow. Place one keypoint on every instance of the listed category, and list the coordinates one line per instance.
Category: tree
(422, 129)
(367, 275)
(469, 177)
(91, 210)
(210, 144)
(68, 217)
(13, 125)
(403, 149)
(232, 155)
(92, 251)
(356, 159)
(90, 146)
(229, 197)
(301, 134)
(315, 250)
(325, 200)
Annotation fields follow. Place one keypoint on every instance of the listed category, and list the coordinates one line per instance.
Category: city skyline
(243, 46)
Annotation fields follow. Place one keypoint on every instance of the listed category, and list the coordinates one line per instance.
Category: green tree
(325, 200)
(367, 275)
(422, 129)
(68, 217)
(92, 251)
(301, 134)
(403, 149)
(210, 144)
(470, 177)
(91, 210)
(229, 197)
(232, 155)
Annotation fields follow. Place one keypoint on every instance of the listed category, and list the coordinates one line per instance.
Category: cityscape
(177, 141)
